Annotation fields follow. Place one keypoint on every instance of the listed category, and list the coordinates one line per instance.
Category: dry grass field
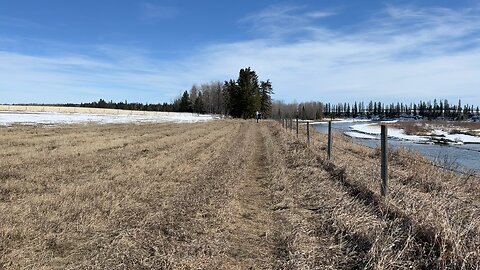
(224, 195)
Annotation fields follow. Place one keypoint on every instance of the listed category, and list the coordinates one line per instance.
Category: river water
(459, 156)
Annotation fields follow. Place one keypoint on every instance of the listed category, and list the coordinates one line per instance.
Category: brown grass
(223, 195)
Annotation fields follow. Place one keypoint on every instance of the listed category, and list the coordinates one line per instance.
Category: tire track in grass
(251, 230)
(203, 209)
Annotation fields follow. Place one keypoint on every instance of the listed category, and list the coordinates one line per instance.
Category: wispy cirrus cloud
(153, 12)
(400, 54)
(320, 14)
(80, 78)
(278, 20)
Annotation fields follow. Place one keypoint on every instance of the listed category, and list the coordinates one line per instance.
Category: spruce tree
(248, 85)
(266, 92)
(185, 103)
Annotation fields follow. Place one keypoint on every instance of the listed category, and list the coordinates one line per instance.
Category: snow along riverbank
(372, 131)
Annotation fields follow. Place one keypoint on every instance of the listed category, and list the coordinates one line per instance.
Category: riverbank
(459, 157)
(455, 133)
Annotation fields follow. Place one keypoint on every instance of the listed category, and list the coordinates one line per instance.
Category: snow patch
(460, 138)
(341, 121)
(53, 118)
(437, 135)
(374, 129)
(359, 135)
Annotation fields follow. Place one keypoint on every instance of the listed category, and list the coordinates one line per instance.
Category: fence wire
(432, 163)
(403, 172)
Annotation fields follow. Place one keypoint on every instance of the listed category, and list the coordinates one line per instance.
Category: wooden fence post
(329, 147)
(296, 124)
(308, 132)
(384, 159)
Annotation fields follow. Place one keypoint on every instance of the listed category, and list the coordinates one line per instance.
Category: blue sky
(150, 51)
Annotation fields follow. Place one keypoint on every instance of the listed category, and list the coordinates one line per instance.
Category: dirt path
(251, 222)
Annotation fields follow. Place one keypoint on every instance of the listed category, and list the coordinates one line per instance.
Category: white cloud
(278, 20)
(403, 54)
(319, 14)
(75, 78)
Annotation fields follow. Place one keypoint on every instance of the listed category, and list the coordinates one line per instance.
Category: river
(465, 156)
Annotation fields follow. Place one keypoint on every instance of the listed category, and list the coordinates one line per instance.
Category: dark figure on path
(258, 115)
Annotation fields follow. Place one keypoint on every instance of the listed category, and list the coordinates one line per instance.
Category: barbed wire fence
(288, 125)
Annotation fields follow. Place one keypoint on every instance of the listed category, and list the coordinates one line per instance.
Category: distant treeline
(373, 109)
(240, 98)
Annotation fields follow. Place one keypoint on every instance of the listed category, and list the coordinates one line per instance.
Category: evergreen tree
(459, 109)
(248, 86)
(266, 92)
(185, 103)
(198, 106)
(234, 101)
(446, 108)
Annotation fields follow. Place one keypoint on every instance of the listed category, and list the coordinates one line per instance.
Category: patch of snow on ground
(457, 137)
(374, 129)
(341, 121)
(359, 135)
(53, 118)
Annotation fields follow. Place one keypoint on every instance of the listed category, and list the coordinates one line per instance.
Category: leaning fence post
(283, 122)
(329, 147)
(384, 158)
(296, 124)
(286, 126)
(308, 132)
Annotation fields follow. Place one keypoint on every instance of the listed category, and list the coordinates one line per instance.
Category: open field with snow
(32, 115)
(224, 195)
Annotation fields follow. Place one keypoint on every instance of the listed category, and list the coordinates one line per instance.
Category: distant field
(31, 108)
(40, 115)
(224, 195)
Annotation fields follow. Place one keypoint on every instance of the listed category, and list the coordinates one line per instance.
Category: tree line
(375, 109)
(240, 98)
